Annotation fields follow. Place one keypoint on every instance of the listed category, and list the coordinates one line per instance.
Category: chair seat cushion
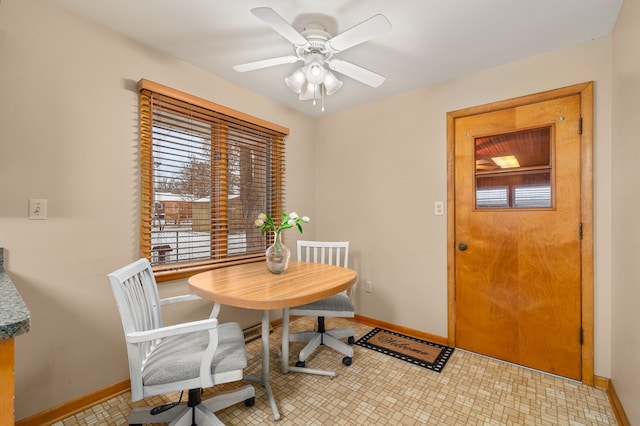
(338, 305)
(178, 358)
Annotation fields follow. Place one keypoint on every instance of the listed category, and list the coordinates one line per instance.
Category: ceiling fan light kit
(296, 80)
(331, 83)
(311, 91)
(315, 47)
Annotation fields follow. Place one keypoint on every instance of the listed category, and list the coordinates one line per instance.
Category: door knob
(462, 246)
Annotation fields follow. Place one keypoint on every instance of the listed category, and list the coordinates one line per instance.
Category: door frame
(585, 90)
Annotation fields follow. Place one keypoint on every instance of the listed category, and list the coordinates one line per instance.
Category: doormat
(419, 352)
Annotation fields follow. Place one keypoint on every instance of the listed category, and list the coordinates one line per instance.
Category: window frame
(148, 92)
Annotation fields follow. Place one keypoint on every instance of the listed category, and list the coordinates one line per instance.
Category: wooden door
(518, 235)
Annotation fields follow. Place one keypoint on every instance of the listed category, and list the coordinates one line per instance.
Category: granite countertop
(14, 315)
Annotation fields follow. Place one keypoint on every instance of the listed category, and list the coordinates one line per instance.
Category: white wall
(381, 167)
(625, 373)
(68, 133)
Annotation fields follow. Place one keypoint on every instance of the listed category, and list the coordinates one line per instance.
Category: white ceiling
(431, 40)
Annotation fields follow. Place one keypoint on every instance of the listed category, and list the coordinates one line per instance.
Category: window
(492, 197)
(207, 172)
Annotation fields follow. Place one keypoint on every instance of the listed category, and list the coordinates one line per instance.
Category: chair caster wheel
(351, 340)
(346, 360)
(250, 402)
(300, 364)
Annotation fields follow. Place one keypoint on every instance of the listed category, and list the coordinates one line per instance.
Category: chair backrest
(136, 293)
(329, 252)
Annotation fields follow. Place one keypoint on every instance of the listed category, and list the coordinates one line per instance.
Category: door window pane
(513, 170)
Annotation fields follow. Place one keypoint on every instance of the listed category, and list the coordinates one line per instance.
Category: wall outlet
(368, 286)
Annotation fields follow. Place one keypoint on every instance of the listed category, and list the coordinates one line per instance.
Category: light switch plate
(37, 208)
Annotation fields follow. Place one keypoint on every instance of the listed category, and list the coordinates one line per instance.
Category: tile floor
(381, 390)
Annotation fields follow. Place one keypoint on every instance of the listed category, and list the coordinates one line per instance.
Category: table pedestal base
(264, 379)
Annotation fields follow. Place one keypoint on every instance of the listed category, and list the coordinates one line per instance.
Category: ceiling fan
(316, 48)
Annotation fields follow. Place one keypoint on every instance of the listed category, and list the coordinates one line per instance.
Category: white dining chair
(176, 358)
(336, 306)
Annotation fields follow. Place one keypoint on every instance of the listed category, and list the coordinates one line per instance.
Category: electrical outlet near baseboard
(368, 286)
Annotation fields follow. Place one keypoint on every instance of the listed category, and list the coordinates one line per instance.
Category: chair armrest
(188, 298)
(210, 325)
(171, 330)
(179, 299)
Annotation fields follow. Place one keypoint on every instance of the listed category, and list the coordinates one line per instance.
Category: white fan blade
(364, 31)
(265, 63)
(275, 21)
(356, 72)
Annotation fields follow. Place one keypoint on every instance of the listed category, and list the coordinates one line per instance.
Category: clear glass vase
(278, 256)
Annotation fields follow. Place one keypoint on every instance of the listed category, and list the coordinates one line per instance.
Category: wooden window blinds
(207, 172)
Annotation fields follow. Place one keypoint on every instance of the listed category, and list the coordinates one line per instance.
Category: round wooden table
(252, 286)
